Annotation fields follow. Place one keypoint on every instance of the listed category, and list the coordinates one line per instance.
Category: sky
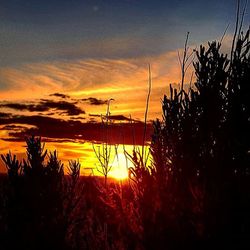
(62, 60)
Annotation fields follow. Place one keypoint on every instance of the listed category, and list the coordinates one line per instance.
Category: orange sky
(125, 81)
(57, 74)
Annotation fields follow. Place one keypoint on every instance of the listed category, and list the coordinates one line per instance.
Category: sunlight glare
(120, 167)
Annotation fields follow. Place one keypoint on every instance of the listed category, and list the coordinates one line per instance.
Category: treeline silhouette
(201, 156)
(194, 195)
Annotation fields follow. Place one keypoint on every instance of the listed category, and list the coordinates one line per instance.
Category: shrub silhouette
(201, 150)
(34, 200)
(46, 209)
(195, 194)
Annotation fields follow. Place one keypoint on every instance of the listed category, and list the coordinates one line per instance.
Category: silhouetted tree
(35, 203)
(201, 148)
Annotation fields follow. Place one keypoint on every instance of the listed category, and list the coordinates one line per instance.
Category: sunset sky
(62, 60)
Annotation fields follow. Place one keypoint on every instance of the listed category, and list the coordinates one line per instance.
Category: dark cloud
(60, 95)
(94, 115)
(94, 101)
(58, 129)
(68, 108)
(22, 107)
(13, 127)
(5, 115)
(77, 118)
(116, 117)
(119, 118)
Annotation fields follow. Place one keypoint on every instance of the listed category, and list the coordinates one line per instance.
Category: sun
(120, 167)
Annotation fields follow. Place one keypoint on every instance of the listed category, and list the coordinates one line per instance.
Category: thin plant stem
(147, 107)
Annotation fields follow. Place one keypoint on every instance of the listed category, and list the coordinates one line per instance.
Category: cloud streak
(46, 105)
(60, 95)
(94, 82)
(94, 101)
(71, 130)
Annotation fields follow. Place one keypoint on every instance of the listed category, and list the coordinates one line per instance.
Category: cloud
(94, 101)
(119, 118)
(67, 107)
(5, 115)
(13, 127)
(22, 107)
(116, 118)
(48, 127)
(60, 95)
(46, 105)
(94, 81)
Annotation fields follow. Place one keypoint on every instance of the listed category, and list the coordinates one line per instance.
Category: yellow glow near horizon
(76, 151)
(120, 167)
(73, 151)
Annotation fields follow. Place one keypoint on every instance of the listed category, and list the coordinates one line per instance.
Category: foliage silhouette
(201, 152)
(195, 194)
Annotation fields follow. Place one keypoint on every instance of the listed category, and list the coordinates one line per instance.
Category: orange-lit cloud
(87, 85)
(126, 81)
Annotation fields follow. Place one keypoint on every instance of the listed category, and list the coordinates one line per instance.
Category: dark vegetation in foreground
(195, 194)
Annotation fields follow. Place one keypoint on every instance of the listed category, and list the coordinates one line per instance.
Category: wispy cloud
(91, 82)
(68, 108)
(94, 82)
